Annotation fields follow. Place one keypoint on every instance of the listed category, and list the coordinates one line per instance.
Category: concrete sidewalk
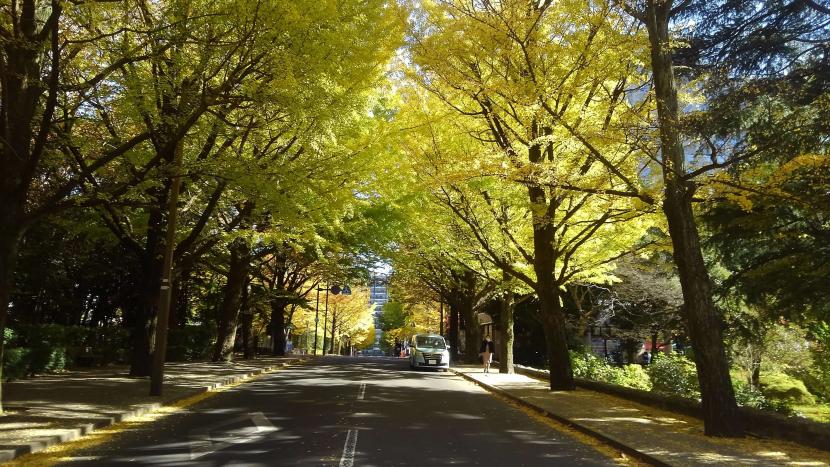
(656, 436)
(51, 409)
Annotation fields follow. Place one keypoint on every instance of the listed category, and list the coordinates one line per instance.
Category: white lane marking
(212, 438)
(361, 392)
(348, 449)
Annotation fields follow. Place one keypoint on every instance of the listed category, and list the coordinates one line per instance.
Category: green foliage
(634, 376)
(746, 396)
(781, 386)
(15, 363)
(590, 366)
(393, 317)
(674, 375)
(52, 348)
(190, 343)
(816, 377)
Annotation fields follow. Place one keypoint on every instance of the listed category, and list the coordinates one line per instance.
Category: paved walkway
(46, 410)
(665, 437)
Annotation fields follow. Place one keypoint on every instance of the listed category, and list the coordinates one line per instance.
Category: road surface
(340, 411)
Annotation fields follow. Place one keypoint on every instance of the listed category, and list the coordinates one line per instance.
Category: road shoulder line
(601, 437)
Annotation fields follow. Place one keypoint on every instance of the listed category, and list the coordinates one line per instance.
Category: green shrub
(817, 377)
(674, 375)
(592, 367)
(746, 396)
(783, 387)
(15, 363)
(589, 366)
(634, 376)
(33, 349)
(190, 343)
(47, 360)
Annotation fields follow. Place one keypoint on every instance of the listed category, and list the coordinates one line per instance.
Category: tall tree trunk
(472, 331)
(553, 325)
(27, 105)
(720, 411)
(179, 307)
(506, 325)
(229, 311)
(9, 242)
(146, 294)
(454, 323)
(248, 346)
(544, 262)
(278, 326)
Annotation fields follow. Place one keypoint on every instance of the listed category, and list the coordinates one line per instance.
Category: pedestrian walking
(486, 352)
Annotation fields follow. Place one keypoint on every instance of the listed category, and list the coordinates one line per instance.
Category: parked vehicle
(429, 351)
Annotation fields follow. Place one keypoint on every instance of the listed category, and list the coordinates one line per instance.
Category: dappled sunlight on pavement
(669, 437)
(47, 408)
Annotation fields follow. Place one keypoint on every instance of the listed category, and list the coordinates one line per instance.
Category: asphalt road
(365, 411)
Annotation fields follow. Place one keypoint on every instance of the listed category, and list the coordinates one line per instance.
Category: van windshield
(430, 341)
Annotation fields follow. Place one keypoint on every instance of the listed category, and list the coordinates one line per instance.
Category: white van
(428, 351)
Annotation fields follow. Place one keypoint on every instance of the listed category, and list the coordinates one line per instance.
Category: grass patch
(816, 412)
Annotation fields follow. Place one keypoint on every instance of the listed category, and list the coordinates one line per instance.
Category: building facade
(378, 296)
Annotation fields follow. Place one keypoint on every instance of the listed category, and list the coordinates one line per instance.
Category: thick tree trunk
(147, 282)
(142, 312)
(278, 326)
(229, 311)
(29, 97)
(544, 262)
(454, 323)
(553, 325)
(720, 411)
(472, 331)
(506, 343)
(9, 242)
(179, 304)
(248, 345)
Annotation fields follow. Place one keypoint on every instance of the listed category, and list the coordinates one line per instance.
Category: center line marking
(361, 392)
(348, 449)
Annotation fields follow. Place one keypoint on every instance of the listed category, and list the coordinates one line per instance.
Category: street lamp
(335, 289)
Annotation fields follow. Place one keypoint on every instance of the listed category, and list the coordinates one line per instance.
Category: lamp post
(317, 316)
(335, 289)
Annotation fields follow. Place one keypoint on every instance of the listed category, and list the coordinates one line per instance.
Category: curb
(11, 452)
(605, 439)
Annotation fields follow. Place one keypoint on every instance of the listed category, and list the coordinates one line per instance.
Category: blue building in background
(378, 296)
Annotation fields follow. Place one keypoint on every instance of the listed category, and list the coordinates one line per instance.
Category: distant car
(429, 351)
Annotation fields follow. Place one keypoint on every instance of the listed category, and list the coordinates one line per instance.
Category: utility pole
(316, 318)
(326, 319)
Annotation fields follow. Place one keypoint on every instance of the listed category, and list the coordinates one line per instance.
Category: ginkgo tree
(532, 100)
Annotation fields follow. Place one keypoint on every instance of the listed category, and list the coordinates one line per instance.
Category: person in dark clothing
(488, 348)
